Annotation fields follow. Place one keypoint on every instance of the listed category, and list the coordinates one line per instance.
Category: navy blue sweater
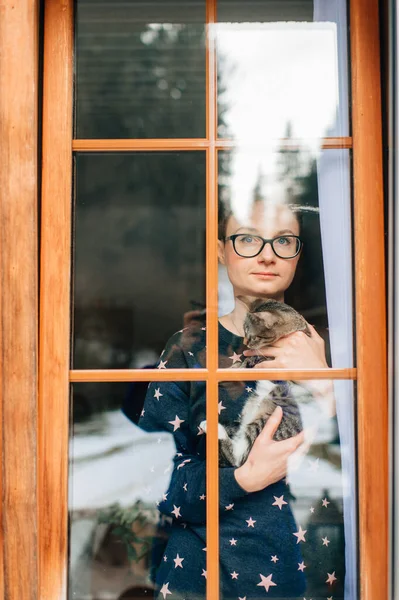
(260, 555)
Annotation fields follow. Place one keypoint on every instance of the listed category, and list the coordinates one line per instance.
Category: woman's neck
(234, 320)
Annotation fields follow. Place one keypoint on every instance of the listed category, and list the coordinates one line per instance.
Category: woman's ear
(221, 252)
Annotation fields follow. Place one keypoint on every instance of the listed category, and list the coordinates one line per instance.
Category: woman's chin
(266, 292)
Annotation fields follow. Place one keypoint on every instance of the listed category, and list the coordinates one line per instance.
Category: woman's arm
(185, 499)
(167, 408)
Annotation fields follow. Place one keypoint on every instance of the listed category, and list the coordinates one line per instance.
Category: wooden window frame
(54, 359)
(18, 296)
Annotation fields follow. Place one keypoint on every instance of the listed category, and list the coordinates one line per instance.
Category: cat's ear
(257, 303)
(247, 300)
(270, 319)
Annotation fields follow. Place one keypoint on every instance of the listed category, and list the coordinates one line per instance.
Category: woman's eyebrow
(253, 230)
(249, 229)
(285, 231)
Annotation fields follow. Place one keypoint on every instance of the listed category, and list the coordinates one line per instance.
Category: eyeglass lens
(284, 246)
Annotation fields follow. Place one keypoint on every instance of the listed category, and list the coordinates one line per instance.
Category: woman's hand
(294, 351)
(267, 460)
(299, 351)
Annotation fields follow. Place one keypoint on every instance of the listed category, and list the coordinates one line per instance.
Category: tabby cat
(266, 322)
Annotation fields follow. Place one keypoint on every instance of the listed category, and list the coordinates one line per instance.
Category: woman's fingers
(313, 331)
(266, 350)
(267, 461)
(272, 424)
(316, 336)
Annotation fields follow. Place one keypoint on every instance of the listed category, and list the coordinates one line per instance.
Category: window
(105, 147)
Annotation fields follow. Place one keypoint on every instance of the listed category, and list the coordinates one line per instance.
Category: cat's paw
(222, 434)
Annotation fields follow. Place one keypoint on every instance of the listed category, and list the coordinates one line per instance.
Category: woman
(259, 538)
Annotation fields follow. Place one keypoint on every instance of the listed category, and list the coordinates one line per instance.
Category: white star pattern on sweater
(157, 393)
(326, 541)
(178, 561)
(250, 522)
(279, 502)
(162, 365)
(300, 535)
(165, 590)
(266, 582)
(325, 502)
(176, 511)
(234, 575)
(176, 423)
(183, 463)
(331, 578)
(233, 542)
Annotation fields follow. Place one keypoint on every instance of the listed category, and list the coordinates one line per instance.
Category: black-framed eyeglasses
(248, 245)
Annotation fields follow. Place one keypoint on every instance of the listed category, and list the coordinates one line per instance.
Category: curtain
(333, 172)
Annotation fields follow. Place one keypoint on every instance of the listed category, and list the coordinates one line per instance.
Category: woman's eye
(284, 241)
(247, 239)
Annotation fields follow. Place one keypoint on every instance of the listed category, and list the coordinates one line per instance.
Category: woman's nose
(267, 254)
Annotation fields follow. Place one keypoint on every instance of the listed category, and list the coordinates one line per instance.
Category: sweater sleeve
(166, 408)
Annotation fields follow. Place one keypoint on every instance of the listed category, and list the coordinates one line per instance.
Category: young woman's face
(265, 275)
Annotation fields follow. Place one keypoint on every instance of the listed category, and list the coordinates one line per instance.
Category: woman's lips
(264, 274)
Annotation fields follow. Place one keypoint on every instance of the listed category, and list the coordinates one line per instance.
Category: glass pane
(288, 528)
(140, 69)
(282, 69)
(137, 491)
(304, 195)
(139, 269)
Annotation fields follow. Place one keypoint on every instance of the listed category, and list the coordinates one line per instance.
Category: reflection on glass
(271, 199)
(137, 490)
(282, 527)
(139, 272)
(140, 69)
(282, 69)
(264, 193)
